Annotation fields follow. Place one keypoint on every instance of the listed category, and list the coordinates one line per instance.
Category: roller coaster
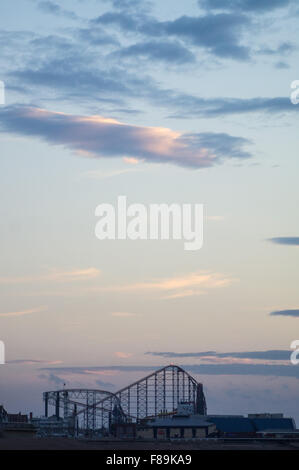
(154, 395)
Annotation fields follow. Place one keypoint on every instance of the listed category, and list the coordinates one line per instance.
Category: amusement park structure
(157, 394)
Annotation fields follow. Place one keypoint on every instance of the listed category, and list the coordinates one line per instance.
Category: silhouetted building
(241, 426)
(17, 418)
(177, 426)
(3, 414)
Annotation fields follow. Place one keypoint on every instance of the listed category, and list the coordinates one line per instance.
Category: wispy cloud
(103, 76)
(268, 355)
(55, 276)
(30, 362)
(265, 370)
(192, 106)
(254, 6)
(165, 51)
(101, 383)
(286, 313)
(281, 49)
(96, 136)
(20, 313)
(291, 241)
(74, 275)
(110, 82)
(131, 160)
(91, 371)
(183, 286)
(217, 34)
(52, 378)
(130, 4)
(53, 8)
(122, 355)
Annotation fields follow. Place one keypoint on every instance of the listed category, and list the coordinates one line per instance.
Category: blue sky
(161, 101)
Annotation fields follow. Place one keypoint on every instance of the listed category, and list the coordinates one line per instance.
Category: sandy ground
(12, 441)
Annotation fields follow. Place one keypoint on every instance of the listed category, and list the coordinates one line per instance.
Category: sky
(163, 102)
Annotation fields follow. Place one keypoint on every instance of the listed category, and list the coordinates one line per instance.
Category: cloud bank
(292, 241)
(201, 369)
(273, 355)
(286, 313)
(254, 6)
(218, 34)
(96, 136)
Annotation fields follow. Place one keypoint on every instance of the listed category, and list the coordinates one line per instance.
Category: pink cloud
(20, 313)
(55, 275)
(174, 287)
(97, 136)
(122, 355)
